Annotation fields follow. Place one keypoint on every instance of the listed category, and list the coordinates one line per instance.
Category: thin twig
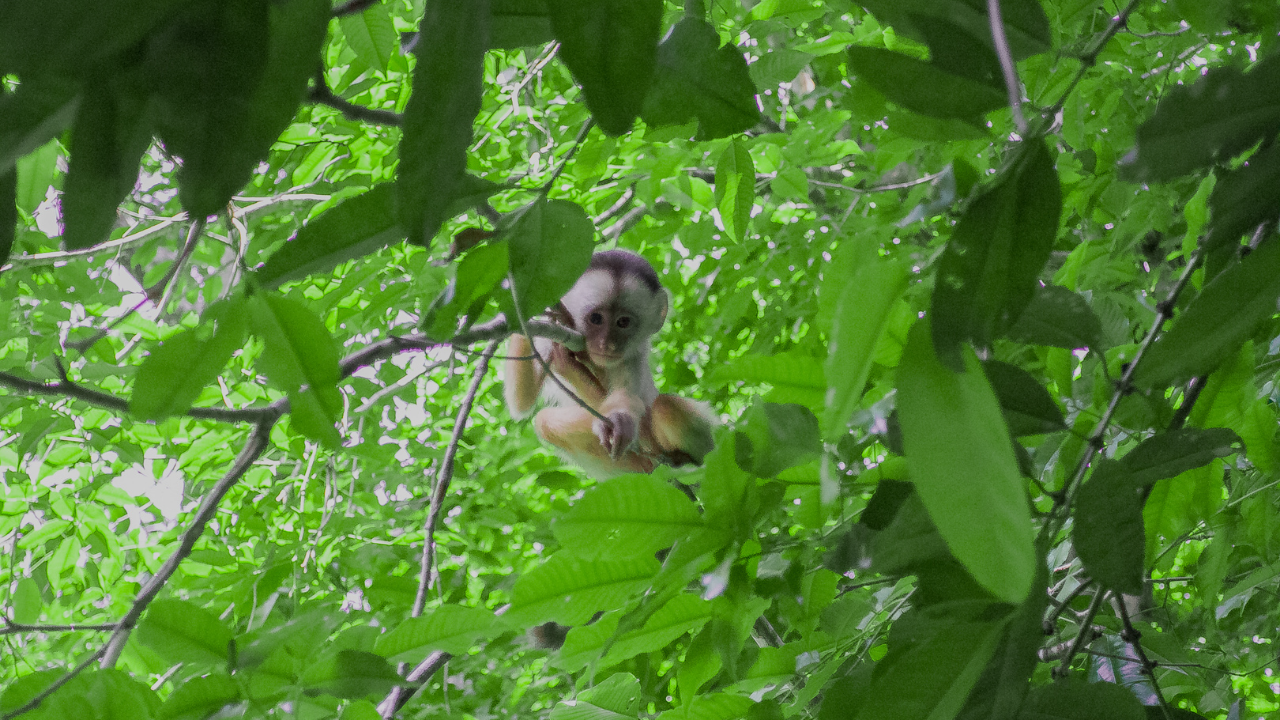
(13, 628)
(1132, 636)
(573, 150)
(322, 95)
(627, 196)
(121, 242)
(1090, 57)
(445, 476)
(1007, 68)
(1163, 312)
(1086, 631)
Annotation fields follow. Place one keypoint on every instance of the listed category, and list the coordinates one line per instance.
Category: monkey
(617, 305)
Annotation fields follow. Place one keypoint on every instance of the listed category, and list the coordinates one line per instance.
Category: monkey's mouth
(603, 358)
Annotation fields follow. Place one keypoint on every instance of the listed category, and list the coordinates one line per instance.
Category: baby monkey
(617, 305)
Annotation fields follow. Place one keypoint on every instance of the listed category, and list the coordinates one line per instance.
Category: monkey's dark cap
(620, 263)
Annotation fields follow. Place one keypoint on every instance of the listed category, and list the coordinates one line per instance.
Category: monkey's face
(612, 334)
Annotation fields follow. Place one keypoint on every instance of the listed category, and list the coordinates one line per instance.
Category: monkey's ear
(664, 300)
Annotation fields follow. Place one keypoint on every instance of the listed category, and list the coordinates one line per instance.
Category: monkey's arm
(682, 428)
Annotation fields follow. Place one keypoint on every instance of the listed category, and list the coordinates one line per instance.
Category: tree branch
(322, 95)
(13, 628)
(1007, 68)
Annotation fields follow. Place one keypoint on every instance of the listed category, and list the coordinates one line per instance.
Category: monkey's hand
(576, 373)
(617, 433)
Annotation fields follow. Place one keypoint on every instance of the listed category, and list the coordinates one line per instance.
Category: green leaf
(795, 376)
(775, 437)
(1244, 197)
(1217, 322)
(1058, 317)
(351, 674)
(448, 82)
(1076, 700)
(610, 46)
(355, 227)
(181, 631)
(570, 590)
(1028, 408)
(629, 516)
(713, 706)
(778, 66)
(923, 87)
(301, 358)
(110, 134)
(1107, 530)
(175, 372)
(519, 23)
(27, 602)
(1172, 453)
(451, 628)
(862, 316)
(617, 698)
(372, 36)
(73, 37)
(478, 275)
(963, 466)
(206, 67)
(727, 492)
(698, 79)
(200, 697)
(1000, 690)
(37, 172)
(987, 274)
(1221, 115)
(8, 211)
(735, 189)
(549, 246)
(684, 614)
(930, 675)
(37, 112)
(1026, 26)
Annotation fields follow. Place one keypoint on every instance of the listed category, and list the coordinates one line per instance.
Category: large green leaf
(355, 227)
(987, 274)
(8, 210)
(617, 698)
(451, 628)
(1107, 530)
(110, 134)
(862, 316)
(1058, 317)
(627, 517)
(932, 666)
(175, 372)
(1076, 700)
(549, 246)
(796, 377)
(1171, 453)
(773, 437)
(684, 614)
(35, 114)
(372, 36)
(1222, 114)
(610, 46)
(735, 189)
(963, 466)
(924, 87)
(60, 38)
(479, 273)
(1245, 197)
(519, 23)
(1000, 690)
(698, 79)
(570, 590)
(181, 631)
(1025, 25)
(1028, 407)
(448, 82)
(1217, 322)
(205, 69)
(301, 358)
(351, 674)
(200, 697)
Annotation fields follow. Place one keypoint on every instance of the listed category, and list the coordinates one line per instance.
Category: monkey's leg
(521, 378)
(571, 430)
(680, 425)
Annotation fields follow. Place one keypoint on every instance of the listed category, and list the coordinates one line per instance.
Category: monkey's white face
(616, 316)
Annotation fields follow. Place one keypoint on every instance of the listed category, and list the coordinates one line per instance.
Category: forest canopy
(982, 292)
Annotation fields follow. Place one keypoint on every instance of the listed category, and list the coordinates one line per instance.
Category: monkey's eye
(624, 321)
(595, 318)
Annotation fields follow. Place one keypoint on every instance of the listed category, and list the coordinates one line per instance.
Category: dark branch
(322, 95)
(351, 7)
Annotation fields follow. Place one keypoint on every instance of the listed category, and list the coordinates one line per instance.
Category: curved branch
(322, 95)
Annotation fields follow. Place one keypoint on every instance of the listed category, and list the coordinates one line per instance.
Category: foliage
(991, 367)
